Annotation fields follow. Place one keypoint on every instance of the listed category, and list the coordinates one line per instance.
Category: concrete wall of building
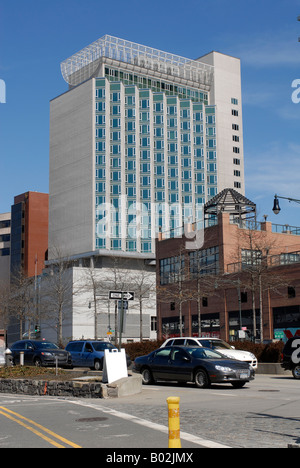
(72, 172)
(110, 278)
(79, 306)
(227, 86)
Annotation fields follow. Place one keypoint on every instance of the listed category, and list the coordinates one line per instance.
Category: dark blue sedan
(202, 366)
(90, 353)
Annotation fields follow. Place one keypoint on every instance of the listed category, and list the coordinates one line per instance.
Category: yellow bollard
(174, 422)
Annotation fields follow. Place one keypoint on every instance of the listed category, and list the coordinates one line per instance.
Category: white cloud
(269, 50)
(275, 170)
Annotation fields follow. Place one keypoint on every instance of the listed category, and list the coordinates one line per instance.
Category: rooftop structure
(129, 53)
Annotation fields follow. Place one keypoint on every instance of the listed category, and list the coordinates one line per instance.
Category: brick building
(29, 233)
(239, 266)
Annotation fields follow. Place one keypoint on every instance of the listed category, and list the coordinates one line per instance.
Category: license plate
(245, 375)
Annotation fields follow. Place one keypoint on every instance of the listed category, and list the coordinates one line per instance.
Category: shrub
(143, 348)
(270, 352)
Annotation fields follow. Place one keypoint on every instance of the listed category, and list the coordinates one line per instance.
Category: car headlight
(252, 356)
(223, 369)
(47, 354)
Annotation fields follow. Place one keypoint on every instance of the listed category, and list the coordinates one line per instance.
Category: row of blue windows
(159, 157)
(116, 244)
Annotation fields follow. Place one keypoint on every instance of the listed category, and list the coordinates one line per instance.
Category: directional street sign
(128, 296)
(123, 295)
(115, 294)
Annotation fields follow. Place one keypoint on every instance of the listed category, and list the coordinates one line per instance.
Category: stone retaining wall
(73, 388)
(52, 388)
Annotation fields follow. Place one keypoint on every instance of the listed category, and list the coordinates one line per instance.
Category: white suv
(214, 343)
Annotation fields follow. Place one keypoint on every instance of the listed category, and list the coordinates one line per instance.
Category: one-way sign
(123, 295)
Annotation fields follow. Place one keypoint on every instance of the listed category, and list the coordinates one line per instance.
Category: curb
(271, 368)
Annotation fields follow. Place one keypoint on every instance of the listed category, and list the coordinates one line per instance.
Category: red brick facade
(35, 235)
(229, 296)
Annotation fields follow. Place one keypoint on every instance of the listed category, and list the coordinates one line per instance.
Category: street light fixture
(276, 207)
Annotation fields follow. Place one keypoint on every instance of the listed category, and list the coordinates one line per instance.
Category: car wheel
(201, 379)
(147, 376)
(37, 362)
(98, 365)
(296, 372)
(238, 384)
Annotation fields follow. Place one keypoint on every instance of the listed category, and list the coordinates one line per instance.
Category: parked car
(2, 357)
(89, 353)
(291, 356)
(214, 343)
(40, 353)
(203, 366)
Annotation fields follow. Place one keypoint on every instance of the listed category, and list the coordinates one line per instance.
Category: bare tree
(92, 285)
(5, 296)
(204, 283)
(57, 291)
(172, 287)
(142, 283)
(253, 271)
(22, 300)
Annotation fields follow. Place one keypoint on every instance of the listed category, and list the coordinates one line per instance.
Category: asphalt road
(264, 414)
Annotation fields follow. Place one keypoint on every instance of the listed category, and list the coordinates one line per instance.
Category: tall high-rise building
(139, 142)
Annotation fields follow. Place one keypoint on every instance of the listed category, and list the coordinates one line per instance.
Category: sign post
(123, 297)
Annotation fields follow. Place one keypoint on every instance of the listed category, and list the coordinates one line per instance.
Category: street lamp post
(276, 207)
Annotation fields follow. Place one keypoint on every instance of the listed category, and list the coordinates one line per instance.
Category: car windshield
(46, 345)
(204, 353)
(101, 346)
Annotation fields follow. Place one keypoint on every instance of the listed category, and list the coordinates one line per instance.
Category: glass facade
(156, 158)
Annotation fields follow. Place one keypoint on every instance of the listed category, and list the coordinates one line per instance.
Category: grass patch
(24, 372)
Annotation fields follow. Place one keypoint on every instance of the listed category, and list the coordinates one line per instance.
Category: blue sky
(36, 35)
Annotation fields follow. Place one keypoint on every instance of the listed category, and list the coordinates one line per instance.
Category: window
(235, 127)
(251, 258)
(237, 185)
(235, 112)
(179, 342)
(291, 292)
(171, 270)
(163, 354)
(236, 149)
(203, 262)
(236, 161)
(153, 323)
(244, 297)
(4, 252)
(178, 355)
